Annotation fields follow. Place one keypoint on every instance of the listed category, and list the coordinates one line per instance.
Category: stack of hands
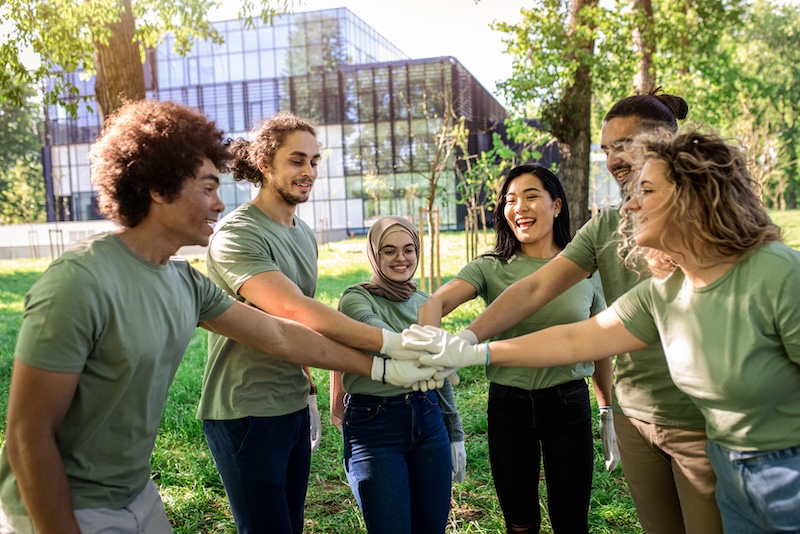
(423, 357)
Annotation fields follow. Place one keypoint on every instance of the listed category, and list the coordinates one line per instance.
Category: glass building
(378, 114)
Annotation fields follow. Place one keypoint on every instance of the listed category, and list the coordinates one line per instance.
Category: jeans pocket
(575, 393)
(355, 415)
(237, 431)
(497, 391)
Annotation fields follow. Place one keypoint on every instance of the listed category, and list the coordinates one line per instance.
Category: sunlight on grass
(185, 472)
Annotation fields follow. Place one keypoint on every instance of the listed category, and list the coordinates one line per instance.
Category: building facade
(380, 115)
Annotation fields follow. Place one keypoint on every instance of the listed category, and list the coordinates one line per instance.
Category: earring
(556, 216)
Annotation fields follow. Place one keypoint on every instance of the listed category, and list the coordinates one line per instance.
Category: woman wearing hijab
(398, 443)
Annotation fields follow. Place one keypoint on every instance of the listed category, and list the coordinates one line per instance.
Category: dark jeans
(397, 460)
(264, 464)
(554, 424)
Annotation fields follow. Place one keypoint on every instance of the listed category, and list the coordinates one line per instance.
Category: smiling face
(294, 168)
(650, 204)
(189, 218)
(397, 256)
(530, 211)
(615, 140)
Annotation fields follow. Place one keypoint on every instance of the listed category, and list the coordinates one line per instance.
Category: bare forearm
(288, 340)
(430, 313)
(306, 347)
(602, 381)
(338, 327)
(505, 311)
(598, 337)
(526, 297)
(42, 481)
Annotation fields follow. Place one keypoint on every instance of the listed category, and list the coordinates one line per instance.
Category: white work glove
(315, 423)
(468, 335)
(448, 373)
(609, 438)
(392, 346)
(404, 373)
(444, 349)
(458, 455)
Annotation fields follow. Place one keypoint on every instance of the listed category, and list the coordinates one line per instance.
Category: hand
(608, 438)
(468, 335)
(438, 380)
(446, 350)
(458, 455)
(315, 423)
(402, 373)
(392, 346)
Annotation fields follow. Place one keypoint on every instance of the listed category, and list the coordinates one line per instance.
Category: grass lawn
(185, 472)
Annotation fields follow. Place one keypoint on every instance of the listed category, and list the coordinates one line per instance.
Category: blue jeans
(757, 491)
(264, 464)
(397, 460)
(553, 424)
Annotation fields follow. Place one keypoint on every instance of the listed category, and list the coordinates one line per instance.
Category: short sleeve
(213, 300)
(635, 310)
(60, 324)
(787, 314)
(240, 253)
(356, 304)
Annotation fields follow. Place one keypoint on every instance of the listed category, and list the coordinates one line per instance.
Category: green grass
(185, 472)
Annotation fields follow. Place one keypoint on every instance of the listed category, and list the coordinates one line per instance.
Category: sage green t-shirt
(490, 276)
(732, 346)
(643, 388)
(364, 307)
(124, 324)
(241, 381)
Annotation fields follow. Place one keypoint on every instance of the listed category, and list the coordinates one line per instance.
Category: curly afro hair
(150, 146)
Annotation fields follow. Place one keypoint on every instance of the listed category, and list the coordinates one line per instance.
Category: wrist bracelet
(487, 355)
(604, 407)
(383, 378)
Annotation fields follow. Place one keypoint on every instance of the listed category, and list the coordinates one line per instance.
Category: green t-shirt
(490, 276)
(361, 305)
(124, 324)
(643, 388)
(733, 346)
(239, 380)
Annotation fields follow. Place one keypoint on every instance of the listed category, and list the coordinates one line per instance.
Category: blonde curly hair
(715, 202)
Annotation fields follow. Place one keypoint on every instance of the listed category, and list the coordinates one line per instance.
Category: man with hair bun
(108, 322)
(257, 409)
(659, 431)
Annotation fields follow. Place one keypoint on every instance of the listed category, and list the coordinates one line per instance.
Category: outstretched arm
(444, 300)
(274, 293)
(288, 340)
(527, 296)
(296, 343)
(595, 338)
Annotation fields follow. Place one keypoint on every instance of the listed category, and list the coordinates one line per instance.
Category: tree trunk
(573, 129)
(644, 42)
(120, 75)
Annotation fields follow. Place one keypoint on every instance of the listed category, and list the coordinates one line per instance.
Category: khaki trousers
(670, 477)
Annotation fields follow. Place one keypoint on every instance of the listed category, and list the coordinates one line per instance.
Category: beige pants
(144, 515)
(670, 477)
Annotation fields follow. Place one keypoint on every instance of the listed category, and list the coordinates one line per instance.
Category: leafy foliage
(65, 35)
(21, 185)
